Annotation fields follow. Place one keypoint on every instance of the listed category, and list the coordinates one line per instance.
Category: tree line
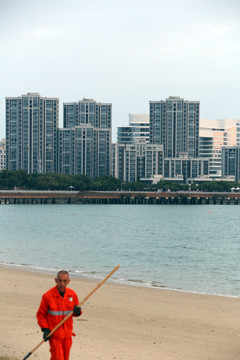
(10, 180)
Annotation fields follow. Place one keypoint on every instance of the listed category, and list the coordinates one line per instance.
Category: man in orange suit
(56, 304)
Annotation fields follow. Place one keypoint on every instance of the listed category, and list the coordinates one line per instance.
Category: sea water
(183, 247)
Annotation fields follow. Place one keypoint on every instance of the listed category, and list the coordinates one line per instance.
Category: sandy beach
(121, 322)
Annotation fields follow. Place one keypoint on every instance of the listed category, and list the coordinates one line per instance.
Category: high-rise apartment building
(90, 126)
(125, 135)
(31, 133)
(214, 135)
(174, 123)
(118, 163)
(2, 154)
(138, 129)
(231, 162)
(168, 147)
(139, 160)
(76, 150)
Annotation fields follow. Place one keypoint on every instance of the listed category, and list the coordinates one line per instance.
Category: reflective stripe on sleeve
(58, 313)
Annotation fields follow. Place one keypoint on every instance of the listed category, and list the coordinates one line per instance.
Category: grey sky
(125, 52)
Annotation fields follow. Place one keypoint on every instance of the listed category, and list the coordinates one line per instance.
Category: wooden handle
(85, 299)
(71, 313)
(98, 285)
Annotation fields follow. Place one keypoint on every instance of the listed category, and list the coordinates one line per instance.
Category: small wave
(29, 267)
(99, 275)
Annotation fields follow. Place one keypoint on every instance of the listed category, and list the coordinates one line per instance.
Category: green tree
(106, 183)
(20, 179)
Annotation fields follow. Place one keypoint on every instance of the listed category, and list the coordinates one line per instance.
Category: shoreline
(81, 277)
(121, 321)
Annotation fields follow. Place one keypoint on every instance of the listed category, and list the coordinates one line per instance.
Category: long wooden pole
(71, 313)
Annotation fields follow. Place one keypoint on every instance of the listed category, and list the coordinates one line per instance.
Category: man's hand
(45, 334)
(77, 310)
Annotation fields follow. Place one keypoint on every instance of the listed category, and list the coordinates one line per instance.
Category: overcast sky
(124, 52)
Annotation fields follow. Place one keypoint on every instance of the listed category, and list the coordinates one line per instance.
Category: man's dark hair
(62, 272)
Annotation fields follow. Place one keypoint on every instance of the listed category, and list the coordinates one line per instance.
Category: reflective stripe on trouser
(60, 348)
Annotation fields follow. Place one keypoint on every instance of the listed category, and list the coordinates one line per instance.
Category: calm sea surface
(190, 248)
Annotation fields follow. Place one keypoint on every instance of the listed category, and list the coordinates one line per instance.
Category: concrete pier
(118, 197)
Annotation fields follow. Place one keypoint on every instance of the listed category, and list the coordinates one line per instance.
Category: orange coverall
(52, 310)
